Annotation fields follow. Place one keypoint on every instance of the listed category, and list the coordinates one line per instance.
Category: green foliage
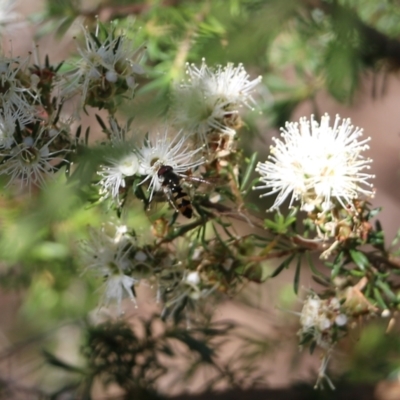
(281, 223)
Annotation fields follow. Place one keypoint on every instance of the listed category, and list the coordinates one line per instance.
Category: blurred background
(315, 57)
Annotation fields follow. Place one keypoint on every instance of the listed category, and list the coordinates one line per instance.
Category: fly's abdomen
(182, 201)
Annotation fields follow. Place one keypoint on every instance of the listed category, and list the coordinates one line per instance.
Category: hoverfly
(171, 183)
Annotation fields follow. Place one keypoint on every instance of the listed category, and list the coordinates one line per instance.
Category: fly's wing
(169, 195)
(197, 181)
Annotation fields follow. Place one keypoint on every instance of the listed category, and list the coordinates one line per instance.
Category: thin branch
(226, 211)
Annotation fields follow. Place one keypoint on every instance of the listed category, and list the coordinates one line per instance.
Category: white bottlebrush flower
(317, 164)
(106, 253)
(7, 130)
(14, 94)
(31, 162)
(320, 319)
(323, 322)
(122, 61)
(210, 99)
(113, 176)
(7, 12)
(118, 285)
(9, 119)
(161, 149)
(122, 164)
(103, 61)
(11, 21)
